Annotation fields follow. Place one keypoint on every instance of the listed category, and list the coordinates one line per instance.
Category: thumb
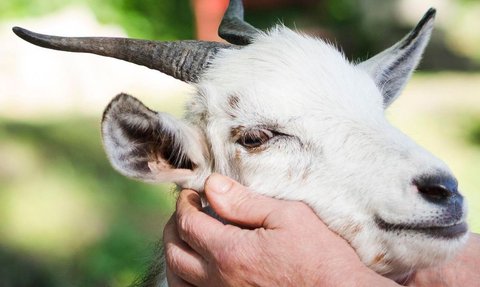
(235, 203)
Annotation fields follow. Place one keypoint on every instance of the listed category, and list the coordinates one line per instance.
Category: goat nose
(437, 189)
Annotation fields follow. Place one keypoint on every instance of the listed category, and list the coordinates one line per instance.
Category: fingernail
(219, 183)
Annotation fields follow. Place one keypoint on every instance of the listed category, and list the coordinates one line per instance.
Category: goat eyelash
(256, 138)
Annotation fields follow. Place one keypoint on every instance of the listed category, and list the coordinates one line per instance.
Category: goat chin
(398, 255)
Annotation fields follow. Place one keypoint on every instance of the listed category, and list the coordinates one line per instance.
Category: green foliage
(473, 132)
(132, 213)
(149, 19)
(342, 11)
(28, 8)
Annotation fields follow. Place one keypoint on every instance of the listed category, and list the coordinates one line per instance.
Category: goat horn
(184, 60)
(233, 28)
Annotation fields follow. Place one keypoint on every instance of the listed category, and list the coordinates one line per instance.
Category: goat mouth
(444, 232)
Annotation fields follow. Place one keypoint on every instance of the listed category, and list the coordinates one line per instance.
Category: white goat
(289, 116)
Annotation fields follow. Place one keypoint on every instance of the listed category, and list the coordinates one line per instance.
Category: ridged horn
(184, 60)
(233, 28)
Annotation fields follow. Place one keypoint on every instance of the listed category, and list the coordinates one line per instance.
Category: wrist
(365, 277)
(344, 271)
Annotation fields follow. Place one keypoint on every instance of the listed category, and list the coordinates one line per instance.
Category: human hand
(283, 243)
(461, 271)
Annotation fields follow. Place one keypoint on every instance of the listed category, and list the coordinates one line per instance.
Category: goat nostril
(436, 189)
(436, 192)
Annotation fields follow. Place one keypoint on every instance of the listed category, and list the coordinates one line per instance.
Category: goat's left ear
(152, 146)
(392, 68)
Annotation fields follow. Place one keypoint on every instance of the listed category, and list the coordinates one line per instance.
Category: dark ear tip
(427, 18)
(430, 13)
(124, 103)
(122, 97)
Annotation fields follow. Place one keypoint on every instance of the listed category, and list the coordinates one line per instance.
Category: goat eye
(255, 138)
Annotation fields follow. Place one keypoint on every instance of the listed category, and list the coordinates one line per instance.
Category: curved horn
(184, 60)
(233, 28)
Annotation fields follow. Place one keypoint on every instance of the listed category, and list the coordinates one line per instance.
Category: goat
(290, 117)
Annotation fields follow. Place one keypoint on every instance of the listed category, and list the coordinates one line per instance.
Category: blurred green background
(68, 219)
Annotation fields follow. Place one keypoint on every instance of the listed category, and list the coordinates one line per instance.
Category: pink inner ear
(160, 165)
(162, 171)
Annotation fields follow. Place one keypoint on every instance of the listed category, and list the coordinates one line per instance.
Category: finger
(235, 203)
(199, 230)
(175, 281)
(181, 259)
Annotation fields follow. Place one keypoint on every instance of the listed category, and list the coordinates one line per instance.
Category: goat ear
(392, 68)
(148, 145)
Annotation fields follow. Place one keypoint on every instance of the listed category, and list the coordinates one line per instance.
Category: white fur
(340, 155)
(343, 159)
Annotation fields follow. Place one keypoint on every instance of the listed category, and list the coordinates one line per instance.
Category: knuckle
(169, 227)
(182, 197)
(184, 225)
(182, 220)
(171, 256)
(187, 197)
